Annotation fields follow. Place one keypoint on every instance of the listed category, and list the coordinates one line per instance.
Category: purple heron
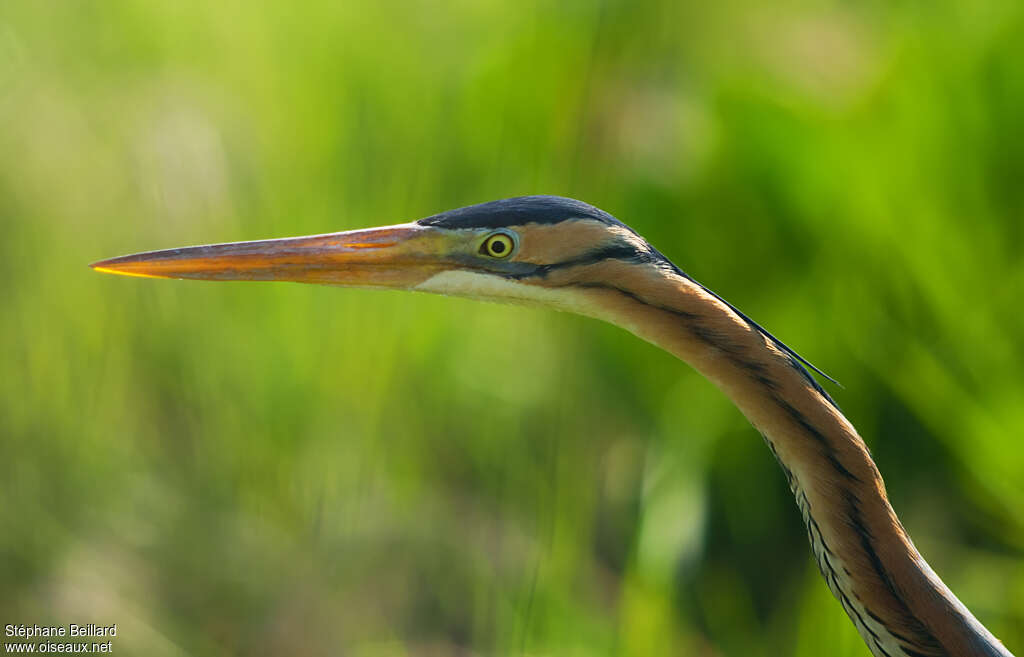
(568, 255)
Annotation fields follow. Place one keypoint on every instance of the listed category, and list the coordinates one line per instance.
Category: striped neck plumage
(898, 604)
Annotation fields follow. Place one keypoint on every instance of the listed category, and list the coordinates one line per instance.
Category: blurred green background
(230, 469)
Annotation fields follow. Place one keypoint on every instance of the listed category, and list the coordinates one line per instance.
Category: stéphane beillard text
(87, 630)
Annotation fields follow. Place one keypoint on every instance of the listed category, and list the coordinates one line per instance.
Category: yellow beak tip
(107, 269)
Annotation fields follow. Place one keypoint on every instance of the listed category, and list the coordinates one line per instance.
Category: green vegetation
(283, 469)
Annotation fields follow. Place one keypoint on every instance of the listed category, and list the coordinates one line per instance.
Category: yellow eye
(498, 245)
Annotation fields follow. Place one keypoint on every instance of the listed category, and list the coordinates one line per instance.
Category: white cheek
(486, 287)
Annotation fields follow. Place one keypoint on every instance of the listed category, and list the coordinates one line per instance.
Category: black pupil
(497, 246)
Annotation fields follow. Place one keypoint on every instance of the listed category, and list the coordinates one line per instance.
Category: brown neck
(898, 604)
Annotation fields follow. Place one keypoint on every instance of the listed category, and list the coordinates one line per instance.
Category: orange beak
(398, 256)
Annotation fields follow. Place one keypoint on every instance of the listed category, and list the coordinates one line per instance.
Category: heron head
(545, 250)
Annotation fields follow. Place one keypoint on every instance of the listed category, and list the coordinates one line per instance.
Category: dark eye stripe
(625, 252)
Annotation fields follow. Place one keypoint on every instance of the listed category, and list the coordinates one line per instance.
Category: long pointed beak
(398, 256)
